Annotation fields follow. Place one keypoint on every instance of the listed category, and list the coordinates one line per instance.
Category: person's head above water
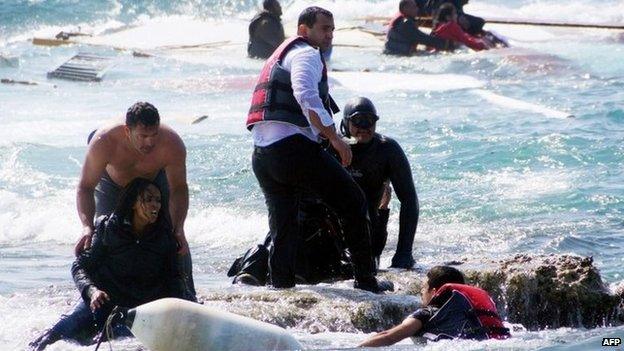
(272, 6)
(317, 25)
(438, 276)
(140, 203)
(408, 8)
(142, 126)
(359, 119)
(446, 13)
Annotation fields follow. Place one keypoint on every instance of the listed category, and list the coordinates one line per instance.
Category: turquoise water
(499, 168)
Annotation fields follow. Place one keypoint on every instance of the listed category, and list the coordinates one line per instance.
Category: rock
(548, 291)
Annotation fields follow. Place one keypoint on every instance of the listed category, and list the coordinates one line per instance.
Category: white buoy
(178, 325)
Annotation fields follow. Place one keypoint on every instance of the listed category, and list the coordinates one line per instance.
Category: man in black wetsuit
(404, 35)
(266, 32)
(377, 160)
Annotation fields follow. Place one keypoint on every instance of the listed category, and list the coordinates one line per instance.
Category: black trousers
(285, 170)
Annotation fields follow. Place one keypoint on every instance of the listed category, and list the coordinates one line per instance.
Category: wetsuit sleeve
(306, 71)
(403, 184)
(86, 264)
(271, 32)
(410, 31)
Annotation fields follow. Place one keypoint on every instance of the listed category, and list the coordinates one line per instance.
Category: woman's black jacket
(131, 269)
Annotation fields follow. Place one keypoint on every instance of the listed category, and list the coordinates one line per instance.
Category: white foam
(224, 227)
(514, 184)
(376, 82)
(508, 102)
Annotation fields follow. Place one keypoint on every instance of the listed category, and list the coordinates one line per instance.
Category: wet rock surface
(536, 291)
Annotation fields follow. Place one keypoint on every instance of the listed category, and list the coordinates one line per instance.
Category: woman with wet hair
(131, 262)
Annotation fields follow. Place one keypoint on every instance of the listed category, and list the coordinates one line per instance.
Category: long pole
(426, 22)
(554, 24)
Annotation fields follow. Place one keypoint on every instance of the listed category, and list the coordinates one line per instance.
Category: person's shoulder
(388, 142)
(108, 134)
(303, 48)
(424, 313)
(170, 135)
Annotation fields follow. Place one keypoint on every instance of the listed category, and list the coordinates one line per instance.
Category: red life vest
(468, 313)
(273, 98)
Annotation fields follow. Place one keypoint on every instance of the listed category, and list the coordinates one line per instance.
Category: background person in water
(404, 36)
(132, 261)
(266, 31)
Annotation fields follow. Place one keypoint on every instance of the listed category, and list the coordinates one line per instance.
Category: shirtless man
(142, 147)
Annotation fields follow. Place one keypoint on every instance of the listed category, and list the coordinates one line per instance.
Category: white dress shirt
(306, 71)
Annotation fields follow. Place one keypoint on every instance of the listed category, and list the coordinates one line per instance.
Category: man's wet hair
(440, 275)
(268, 4)
(142, 113)
(403, 4)
(310, 15)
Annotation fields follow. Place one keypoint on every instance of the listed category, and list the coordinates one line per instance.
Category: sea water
(526, 160)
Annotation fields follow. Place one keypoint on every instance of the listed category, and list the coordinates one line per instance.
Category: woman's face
(147, 205)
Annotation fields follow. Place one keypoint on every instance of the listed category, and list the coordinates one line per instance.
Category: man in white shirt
(290, 109)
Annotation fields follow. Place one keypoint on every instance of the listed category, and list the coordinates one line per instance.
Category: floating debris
(83, 67)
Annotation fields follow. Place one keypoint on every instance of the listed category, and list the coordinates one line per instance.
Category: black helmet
(355, 107)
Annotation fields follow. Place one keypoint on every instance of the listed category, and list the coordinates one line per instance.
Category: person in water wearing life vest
(445, 26)
(266, 31)
(131, 261)
(118, 153)
(451, 309)
(404, 36)
(472, 25)
(290, 110)
(379, 160)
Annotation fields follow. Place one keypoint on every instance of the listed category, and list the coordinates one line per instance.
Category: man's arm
(178, 190)
(403, 184)
(94, 165)
(306, 71)
(329, 132)
(409, 327)
(416, 36)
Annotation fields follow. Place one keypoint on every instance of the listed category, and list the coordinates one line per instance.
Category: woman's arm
(87, 262)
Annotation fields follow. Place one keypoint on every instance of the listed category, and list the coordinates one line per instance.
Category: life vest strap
(274, 85)
(274, 106)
